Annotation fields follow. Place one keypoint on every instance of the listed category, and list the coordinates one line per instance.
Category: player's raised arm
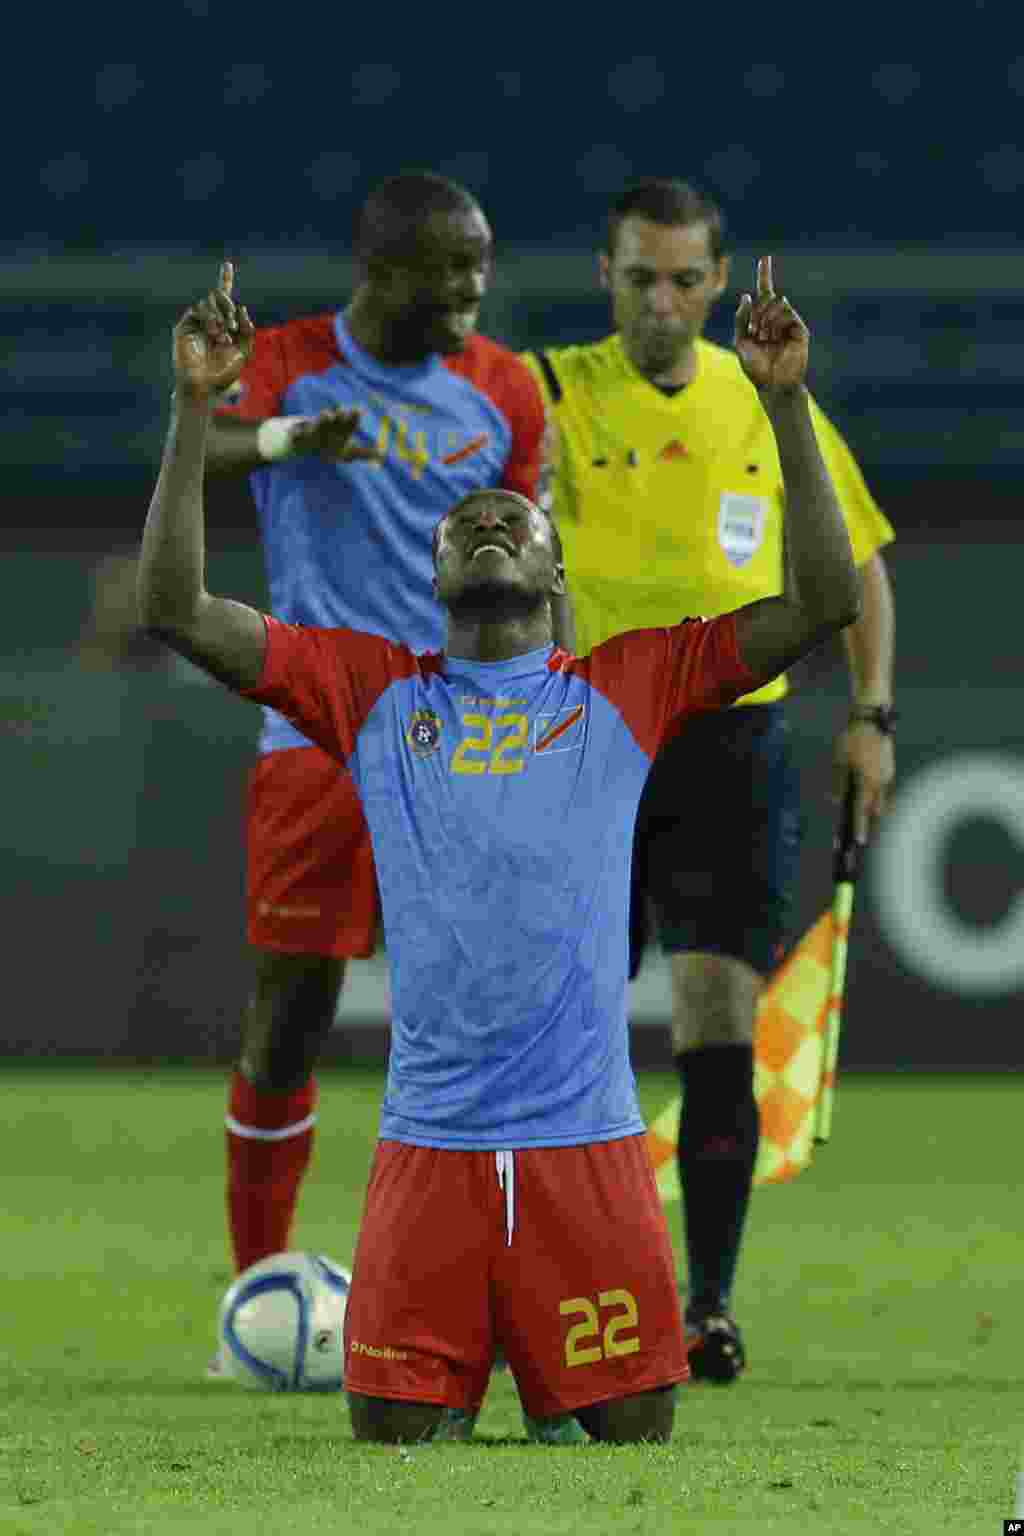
(821, 593)
(563, 614)
(211, 343)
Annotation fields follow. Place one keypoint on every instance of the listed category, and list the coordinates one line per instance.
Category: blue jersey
(501, 799)
(350, 544)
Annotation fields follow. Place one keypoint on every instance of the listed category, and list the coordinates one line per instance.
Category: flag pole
(845, 872)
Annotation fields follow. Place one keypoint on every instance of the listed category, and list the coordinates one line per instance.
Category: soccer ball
(281, 1324)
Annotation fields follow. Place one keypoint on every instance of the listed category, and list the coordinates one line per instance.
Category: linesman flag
(796, 1044)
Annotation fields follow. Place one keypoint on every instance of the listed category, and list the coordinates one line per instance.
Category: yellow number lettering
(383, 438)
(627, 1318)
(515, 741)
(479, 742)
(575, 1352)
(499, 755)
(417, 455)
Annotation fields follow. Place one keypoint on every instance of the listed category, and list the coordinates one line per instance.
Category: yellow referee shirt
(672, 505)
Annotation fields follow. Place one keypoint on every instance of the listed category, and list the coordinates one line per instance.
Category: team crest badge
(741, 521)
(424, 733)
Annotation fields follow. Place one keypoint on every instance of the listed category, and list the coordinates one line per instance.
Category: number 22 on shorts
(585, 1342)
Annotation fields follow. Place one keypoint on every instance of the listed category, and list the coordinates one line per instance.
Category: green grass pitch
(880, 1293)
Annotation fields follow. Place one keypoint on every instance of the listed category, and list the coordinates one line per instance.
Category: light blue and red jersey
(349, 545)
(501, 798)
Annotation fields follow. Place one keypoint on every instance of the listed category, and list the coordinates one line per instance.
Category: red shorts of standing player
(311, 886)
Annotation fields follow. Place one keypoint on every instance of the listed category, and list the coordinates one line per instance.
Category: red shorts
(582, 1300)
(312, 887)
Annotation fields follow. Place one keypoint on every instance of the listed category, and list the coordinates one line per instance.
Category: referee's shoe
(714, 1347)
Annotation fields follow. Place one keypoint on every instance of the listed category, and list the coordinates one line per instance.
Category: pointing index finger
(227, 277)
(765, 285)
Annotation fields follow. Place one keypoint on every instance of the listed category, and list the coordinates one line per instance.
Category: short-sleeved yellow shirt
(671, 506)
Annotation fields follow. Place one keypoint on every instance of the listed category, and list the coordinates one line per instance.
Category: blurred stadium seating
(896, 232)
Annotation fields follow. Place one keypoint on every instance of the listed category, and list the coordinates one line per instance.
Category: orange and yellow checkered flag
(795, 1046)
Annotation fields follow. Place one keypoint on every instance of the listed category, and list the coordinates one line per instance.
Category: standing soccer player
(669, 496)
(358, 428)
(500, 779)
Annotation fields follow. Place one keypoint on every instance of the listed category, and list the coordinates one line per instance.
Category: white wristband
(274, 438)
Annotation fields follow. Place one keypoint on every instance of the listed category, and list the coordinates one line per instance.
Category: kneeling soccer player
(511, 1204)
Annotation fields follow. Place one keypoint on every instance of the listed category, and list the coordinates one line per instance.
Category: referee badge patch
(741, 521)
(424, 733)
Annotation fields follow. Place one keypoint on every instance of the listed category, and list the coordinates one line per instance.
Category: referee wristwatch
(882, 716)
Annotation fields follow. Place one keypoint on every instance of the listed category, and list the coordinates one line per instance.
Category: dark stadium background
(878, 156)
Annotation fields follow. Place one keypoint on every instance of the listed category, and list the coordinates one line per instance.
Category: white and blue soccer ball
(281, 1324)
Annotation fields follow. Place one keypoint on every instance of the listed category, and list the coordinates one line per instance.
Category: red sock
(270, 1140)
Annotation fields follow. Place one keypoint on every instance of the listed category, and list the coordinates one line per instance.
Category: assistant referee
(668, 493)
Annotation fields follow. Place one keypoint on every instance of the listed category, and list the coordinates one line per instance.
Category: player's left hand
(332, 436)
(864, 755)
(212, 341)
(771, 340)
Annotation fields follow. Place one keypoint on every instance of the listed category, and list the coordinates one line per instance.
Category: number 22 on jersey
(492, 744)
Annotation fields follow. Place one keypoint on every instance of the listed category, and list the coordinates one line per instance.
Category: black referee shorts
(717, 843)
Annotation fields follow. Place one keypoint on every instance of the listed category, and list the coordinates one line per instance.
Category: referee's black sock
(717, 1150)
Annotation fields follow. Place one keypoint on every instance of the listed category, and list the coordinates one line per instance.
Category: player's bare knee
(392, 1423)
(645, 1417)
(289, 1016)
(714, 1001)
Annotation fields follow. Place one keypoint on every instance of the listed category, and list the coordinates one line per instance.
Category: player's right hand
(331, 436)
(212, 341)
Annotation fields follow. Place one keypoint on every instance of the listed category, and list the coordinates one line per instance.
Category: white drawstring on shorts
(506, 1166)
